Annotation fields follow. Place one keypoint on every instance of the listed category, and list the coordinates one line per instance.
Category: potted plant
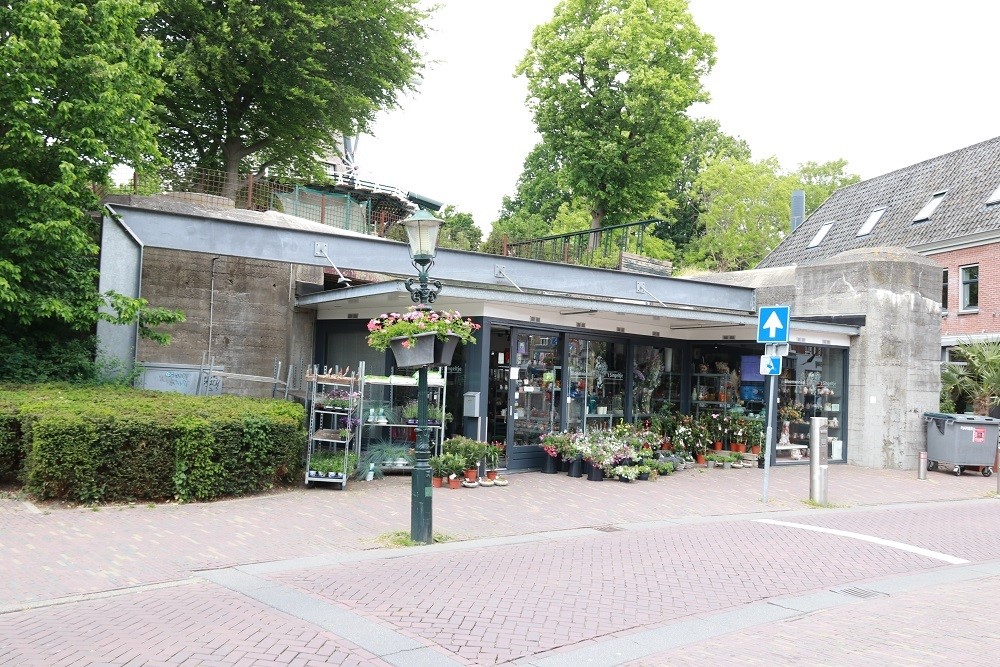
(438, 474)
(421, 336)
(554, 444)
(494, 451)
(454, 466)
(625, 473)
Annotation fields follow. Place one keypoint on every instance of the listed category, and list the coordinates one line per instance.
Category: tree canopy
(76, 100)
(254, 85)
(609, 82)
(747, 208)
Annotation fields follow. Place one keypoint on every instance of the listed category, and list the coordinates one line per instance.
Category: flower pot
(624, 479)
(549, 465)
(426, 350)
(643, 476)
(564, 465)
(491, 474)
(596, 474)
(471, 475)
(739, 447)
(699, 459)
(717, 445)
(455, 483)
(755, 449)
(437, 482)
(575, 467)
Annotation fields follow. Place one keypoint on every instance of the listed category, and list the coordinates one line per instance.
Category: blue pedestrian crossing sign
(770, 365)
(772, 324)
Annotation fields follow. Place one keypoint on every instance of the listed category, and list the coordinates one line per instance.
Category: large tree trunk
(596, 222)
(232, 154)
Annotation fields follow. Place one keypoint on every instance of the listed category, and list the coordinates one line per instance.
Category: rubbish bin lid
(965, 419)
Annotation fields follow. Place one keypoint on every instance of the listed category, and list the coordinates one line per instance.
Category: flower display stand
(425, 350)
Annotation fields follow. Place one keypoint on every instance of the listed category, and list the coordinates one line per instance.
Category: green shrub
(99, 444)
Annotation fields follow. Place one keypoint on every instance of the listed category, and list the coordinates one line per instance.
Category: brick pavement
(526, 602)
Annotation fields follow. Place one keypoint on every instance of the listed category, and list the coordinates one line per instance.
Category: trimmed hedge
(106, 444)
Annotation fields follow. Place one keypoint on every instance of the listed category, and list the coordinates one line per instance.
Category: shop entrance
(524, 392)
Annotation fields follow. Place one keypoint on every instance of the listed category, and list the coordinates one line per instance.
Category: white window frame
(928, 210)
(871, 221)
(963, 299)
(821, 234)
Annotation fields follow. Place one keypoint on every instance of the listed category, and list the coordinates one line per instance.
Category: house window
(970, 287)
(820, 235)
(944, 290)
(870, 223)
(928, 210)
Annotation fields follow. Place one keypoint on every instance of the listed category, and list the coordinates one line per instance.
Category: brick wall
(986, 320)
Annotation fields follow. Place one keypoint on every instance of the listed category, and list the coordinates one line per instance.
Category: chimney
(798, 208)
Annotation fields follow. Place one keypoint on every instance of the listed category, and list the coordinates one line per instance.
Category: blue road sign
(772, 324)
(770, 365)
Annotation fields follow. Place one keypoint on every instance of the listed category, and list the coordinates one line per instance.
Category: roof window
(821, 234)
(995, 197)
(870, 223)
(928, 210)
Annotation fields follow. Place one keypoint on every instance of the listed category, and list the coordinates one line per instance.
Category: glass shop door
(535, 387)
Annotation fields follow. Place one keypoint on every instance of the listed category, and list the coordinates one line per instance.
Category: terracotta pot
(755, 449)
(717, 445)
(699, 459)
(471, 475)
(437, 482)
(455, 483)
(740, 447)
(491, 474)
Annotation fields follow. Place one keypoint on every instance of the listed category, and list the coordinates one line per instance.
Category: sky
(882, 84)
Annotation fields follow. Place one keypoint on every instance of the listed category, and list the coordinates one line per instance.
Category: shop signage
(772, 324)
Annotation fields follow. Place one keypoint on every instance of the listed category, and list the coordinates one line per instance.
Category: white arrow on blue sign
(772, 324)
(770, 365)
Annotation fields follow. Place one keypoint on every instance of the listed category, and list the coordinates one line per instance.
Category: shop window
(656, 381)
(970, 287)
(944, 290)
(812, 385)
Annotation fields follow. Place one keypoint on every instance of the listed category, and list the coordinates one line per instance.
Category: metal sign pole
(769, 439)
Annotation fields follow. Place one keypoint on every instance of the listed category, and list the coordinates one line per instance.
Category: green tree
(75, 101)
(706, 143)
(459, 230)
(975, 378)
(540, 188)
(747, 208)
(609, 82)
(260, 86)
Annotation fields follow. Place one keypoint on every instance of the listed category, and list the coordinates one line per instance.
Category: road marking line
(954, 560)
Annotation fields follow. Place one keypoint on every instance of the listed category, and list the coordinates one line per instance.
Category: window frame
(944, 291)
(870, 222)
(821, 234)
(925, 213)
(966, 284)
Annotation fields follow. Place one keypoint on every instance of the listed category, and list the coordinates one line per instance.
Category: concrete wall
(894, 363)
(249, 317)
(894, 371)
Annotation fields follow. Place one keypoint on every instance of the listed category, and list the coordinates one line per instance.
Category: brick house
(946, 208)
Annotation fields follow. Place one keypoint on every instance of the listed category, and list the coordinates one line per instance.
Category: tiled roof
(969, 176)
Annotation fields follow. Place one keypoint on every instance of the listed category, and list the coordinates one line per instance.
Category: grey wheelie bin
(963, 441)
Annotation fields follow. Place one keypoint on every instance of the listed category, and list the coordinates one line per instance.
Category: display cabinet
(711, 392)
(388, 412)
(334, 408)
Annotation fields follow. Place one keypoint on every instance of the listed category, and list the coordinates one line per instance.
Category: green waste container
(964, 441)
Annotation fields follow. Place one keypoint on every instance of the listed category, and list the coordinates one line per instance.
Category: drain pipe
(211, 309)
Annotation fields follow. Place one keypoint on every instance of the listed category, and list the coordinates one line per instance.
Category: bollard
(818, 443)
(922, 468)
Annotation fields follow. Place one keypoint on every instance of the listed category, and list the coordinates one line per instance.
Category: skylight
(995, 197)
(821, 234)
(870, 223)
(928, 210)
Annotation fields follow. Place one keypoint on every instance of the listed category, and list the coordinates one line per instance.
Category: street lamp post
(422, 231)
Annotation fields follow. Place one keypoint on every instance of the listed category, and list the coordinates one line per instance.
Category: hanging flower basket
(423, 350)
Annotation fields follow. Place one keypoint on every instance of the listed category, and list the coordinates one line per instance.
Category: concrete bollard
(922, 468)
